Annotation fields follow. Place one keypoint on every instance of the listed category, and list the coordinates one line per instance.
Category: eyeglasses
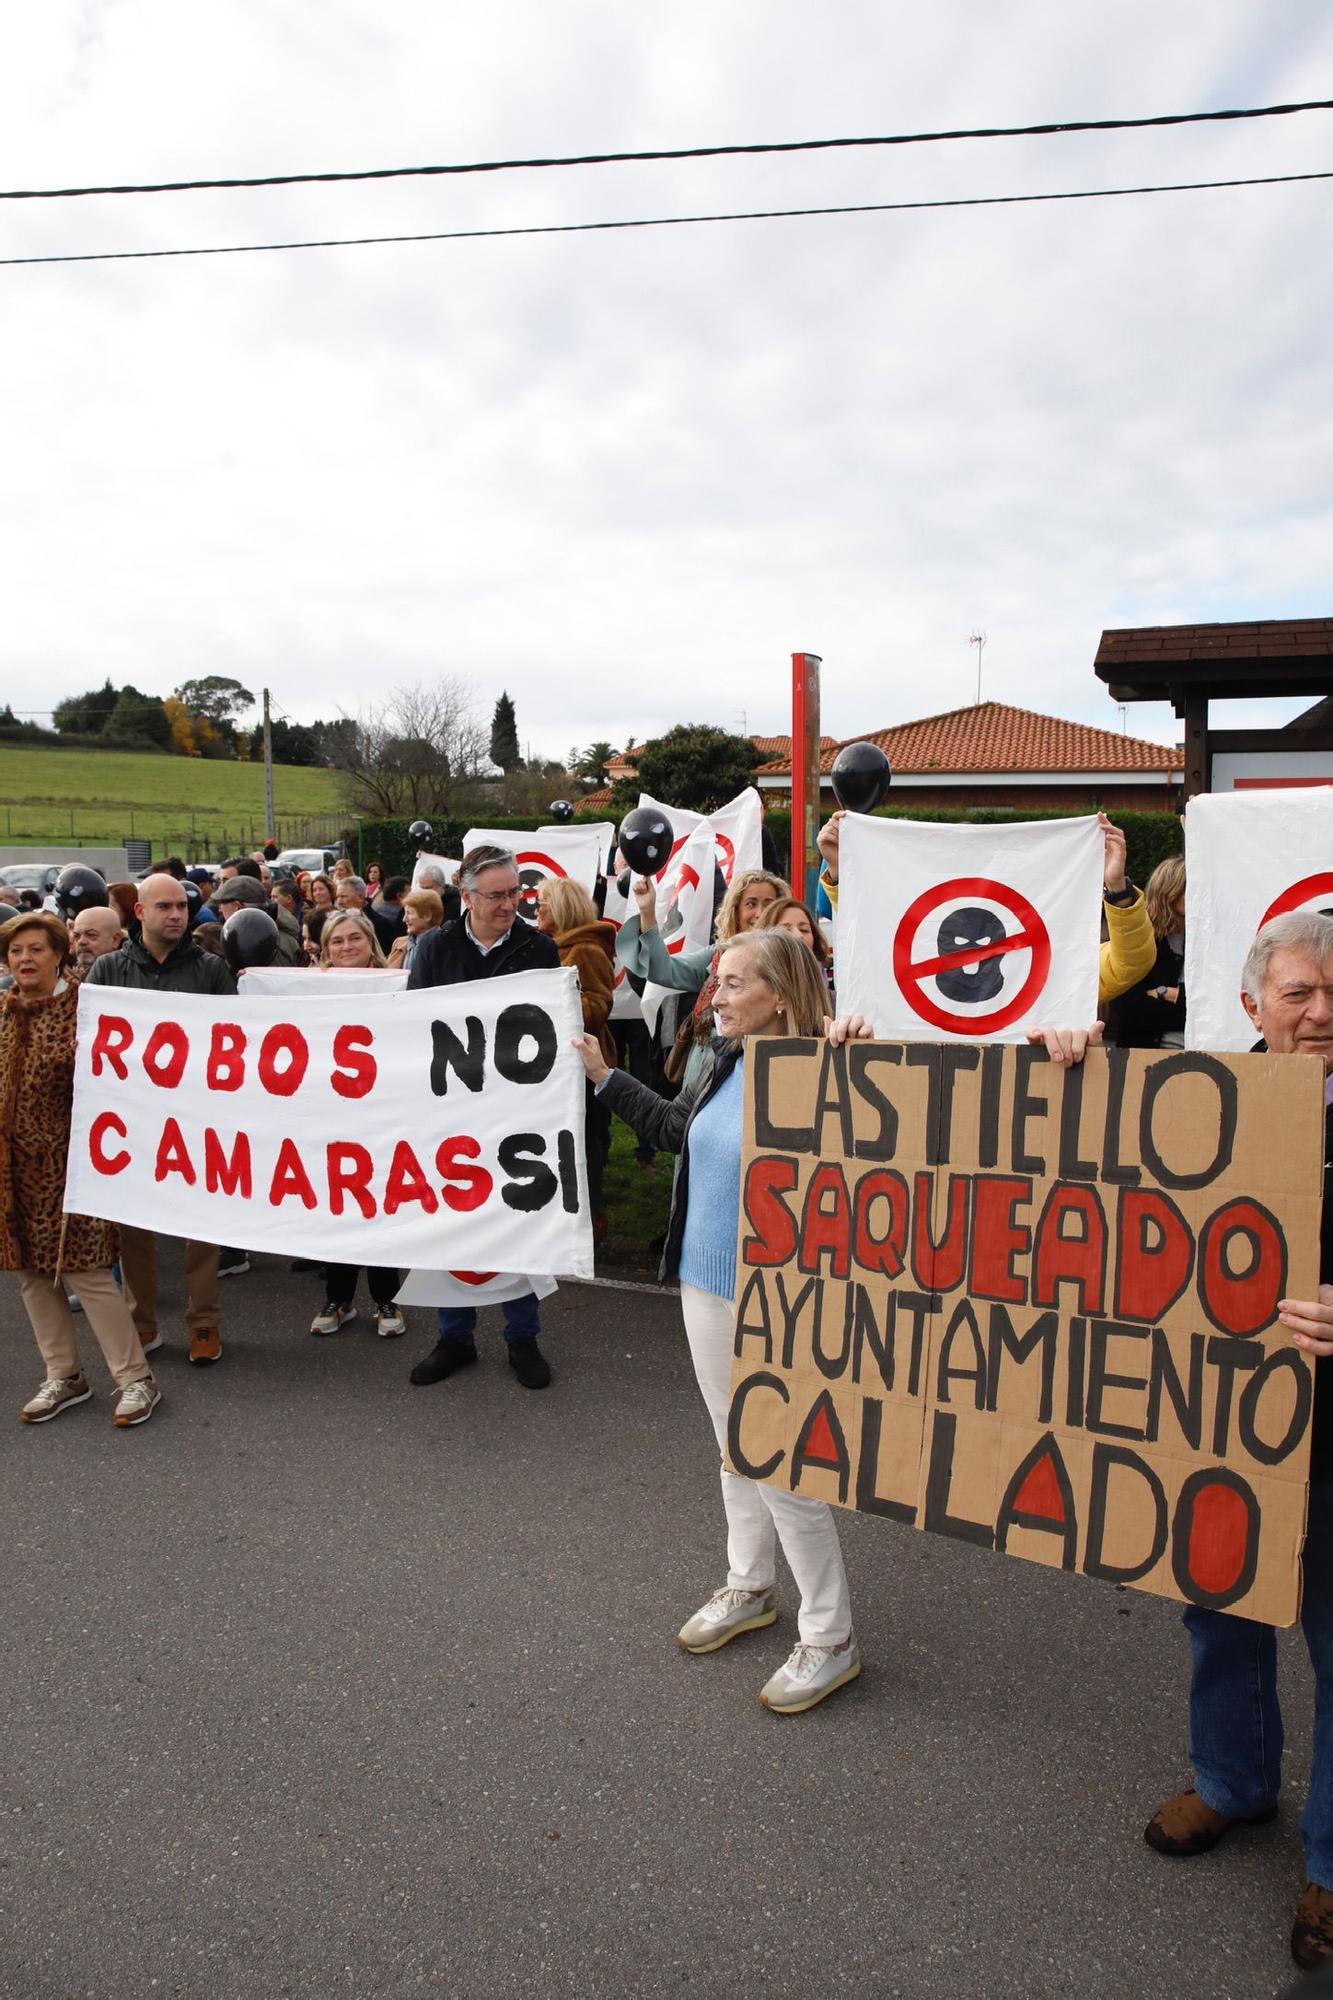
(495, 895)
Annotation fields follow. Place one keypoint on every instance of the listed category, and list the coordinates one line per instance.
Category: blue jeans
(522, 1317)
(1235, 1721)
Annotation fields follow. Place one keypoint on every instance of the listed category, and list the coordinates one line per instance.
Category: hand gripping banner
(441, 1129)
(968, 933)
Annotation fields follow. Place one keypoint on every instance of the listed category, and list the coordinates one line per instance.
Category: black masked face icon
(961, 929)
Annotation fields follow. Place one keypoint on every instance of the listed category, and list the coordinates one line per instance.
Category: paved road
(321, 1685)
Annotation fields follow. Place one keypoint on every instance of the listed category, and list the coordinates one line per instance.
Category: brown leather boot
(1185, 1825)
(1312, 1932)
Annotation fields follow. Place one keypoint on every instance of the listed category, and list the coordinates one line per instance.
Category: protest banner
(976, 932)
(441, 1129)
(304, 979)
(603, 829)
(1035, 1308)
(469, 1288)
(737, 838)
(564, 850)
(1249, 857)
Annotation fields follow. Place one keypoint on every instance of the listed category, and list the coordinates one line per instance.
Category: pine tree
(504, 736)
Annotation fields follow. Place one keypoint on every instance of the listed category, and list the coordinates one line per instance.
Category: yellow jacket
(1129, 954)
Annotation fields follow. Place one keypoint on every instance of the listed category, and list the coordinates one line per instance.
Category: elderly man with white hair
(1235, 1720)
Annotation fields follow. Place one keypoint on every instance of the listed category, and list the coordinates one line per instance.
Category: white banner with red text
(441, 1129)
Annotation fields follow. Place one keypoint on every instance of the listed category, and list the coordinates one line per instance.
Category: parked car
(31, 875)
(295, 860)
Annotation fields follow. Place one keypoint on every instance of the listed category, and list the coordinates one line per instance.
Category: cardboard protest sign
(1036, 1309)
(737, 839)
(1249, 857)
(441, 1129)
(446, 867)
(968, 932)
(563, 850)
(297, 979)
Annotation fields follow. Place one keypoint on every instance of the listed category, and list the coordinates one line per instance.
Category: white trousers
(758, 1517)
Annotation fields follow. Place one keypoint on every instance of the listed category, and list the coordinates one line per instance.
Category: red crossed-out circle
(529, 891)
(1031, 936)
(1298, 894)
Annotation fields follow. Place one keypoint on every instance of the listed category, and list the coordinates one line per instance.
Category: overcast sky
(625, 475)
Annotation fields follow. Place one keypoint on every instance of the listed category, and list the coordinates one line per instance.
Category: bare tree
(421, 753)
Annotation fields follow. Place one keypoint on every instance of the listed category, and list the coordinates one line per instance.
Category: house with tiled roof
(626, 762)
(994, 754)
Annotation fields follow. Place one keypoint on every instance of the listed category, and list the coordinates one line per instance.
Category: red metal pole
(804, 774)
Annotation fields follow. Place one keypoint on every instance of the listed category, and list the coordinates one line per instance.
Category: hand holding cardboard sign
(1311, 1321)
(1066, 1046)
(848, 1028)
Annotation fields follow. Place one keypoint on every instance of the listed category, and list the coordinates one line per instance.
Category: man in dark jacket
(1235, 1722)
(165, 959)
(488, 941)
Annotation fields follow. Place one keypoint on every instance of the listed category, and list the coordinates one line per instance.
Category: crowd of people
(769, 970)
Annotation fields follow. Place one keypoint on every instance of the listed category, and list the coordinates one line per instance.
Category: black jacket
(187, 968)
(448, 957)
(666, 1123)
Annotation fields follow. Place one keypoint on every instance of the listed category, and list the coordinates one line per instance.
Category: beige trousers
(138, 1269)
(107, 1314)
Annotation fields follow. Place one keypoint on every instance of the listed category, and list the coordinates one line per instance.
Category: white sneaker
(332, 1318)
(137, 1403)
(809, 1674)
(726, 1615)
(150, 1343)
(390, 1322)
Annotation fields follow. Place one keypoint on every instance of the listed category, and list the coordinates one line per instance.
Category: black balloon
(79, 887)
(861, 777)
(422, 832)
(561, 811)
(249, 937)
(645, 840)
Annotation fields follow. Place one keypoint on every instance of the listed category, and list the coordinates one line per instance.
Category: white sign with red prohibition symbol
(571, 850)
(1250, 856)
(968, 933)
(737, 844)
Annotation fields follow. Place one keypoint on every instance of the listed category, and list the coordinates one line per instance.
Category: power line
(678, 153)
(659, 221)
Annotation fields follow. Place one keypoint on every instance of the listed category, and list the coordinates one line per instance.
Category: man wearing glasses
(486, 942)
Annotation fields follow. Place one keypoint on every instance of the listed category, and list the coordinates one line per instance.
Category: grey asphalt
(322, 1685)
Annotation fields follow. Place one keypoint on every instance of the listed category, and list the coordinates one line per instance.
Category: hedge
(1151, 836)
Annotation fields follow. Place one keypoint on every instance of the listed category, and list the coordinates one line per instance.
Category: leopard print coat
(36, 1099)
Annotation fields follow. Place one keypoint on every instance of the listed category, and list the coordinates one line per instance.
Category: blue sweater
(712, 1217)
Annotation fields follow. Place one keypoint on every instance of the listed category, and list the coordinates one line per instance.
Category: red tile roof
(1259, 639)
(768, 746)
(993, 736)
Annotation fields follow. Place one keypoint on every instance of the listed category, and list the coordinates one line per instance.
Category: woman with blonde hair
(347, 943)
(790, 914)
(1151, 1014)
(567, 913)
(767, 983)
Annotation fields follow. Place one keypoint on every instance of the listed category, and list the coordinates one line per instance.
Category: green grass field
(182, 805)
